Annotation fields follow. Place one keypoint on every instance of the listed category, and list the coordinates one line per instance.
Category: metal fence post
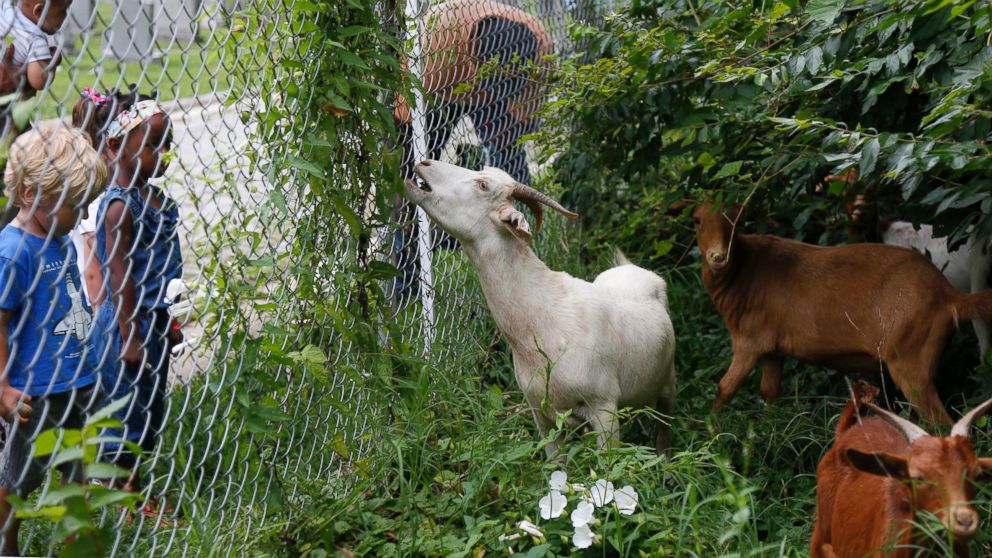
(417, 117)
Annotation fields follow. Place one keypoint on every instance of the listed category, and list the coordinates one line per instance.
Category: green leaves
(869, 156)
(728, 170)
(774, 102)
(824, 11)
(72, 507)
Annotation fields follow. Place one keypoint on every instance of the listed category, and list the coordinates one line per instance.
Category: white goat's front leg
(544, 427)
(607, 426)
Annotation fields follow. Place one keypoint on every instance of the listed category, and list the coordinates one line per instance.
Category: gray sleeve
(36, 49)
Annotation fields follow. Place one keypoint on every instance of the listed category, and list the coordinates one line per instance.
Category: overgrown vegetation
(321, 418)
(772, 97)
(671, 100)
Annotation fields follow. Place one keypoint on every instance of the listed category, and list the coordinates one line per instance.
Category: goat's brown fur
(872, 483)
(852, 308)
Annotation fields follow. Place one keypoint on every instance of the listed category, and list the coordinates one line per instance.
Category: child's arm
(10, 397)
(92, 275)
(37, 74)
(120, 230)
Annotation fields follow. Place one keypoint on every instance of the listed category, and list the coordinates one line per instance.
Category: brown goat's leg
(740, 367)
(923, 396)
(931, 407)
(828, 551)
(913, 373)
(771, 378)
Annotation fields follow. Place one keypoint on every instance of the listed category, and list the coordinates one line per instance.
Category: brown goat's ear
(734, 213)
(985, 463)
(862, 392)
(677, 207)
(879, 463)
(513, 220)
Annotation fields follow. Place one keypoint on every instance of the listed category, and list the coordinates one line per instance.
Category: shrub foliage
(675, 97)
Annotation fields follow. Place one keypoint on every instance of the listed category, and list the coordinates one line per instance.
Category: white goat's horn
(962, 427)
(532, 198)
(911, 431)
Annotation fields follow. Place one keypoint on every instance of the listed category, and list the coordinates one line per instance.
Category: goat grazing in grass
(850, 307)
(591, 348)
(967, 268)
(881, 473)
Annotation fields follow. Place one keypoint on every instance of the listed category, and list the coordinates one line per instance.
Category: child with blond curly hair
(49, 378)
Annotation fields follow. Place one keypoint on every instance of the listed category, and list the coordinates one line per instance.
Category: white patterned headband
(133, 117)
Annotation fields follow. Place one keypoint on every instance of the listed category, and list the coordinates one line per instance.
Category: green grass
(186, 69)
(459, 463)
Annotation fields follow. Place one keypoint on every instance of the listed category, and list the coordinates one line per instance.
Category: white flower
(552, 505)
(583, 537)
(626, 500)
(582, 514)
(601, 493)
(530, 528)
(559, 481)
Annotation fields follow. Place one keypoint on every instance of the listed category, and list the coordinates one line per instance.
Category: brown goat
(882, 472)
(846, 307)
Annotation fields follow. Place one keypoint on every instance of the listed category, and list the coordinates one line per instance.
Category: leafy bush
(734, 98)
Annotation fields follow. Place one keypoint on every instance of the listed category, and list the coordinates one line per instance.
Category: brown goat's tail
(863, 392)
(977, 306)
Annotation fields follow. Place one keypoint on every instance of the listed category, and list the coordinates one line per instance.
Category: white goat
(966, 268)
(591, 348)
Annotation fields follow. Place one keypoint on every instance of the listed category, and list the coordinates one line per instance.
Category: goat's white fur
(608, 344)
(966, 268)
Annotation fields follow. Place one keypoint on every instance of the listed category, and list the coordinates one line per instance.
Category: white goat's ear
(513, 220)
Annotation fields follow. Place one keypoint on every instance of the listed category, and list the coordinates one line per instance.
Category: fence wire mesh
(233, 227)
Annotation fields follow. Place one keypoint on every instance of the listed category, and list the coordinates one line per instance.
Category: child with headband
(137, 243)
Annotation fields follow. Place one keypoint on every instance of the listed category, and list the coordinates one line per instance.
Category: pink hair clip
(95, 96)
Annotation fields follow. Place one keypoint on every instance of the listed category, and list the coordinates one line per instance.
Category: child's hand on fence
(9, 77)
(133, 355)
(14, 404)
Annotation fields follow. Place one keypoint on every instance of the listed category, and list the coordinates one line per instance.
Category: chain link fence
(265, 394)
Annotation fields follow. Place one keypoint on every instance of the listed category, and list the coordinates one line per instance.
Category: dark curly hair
(93, 117)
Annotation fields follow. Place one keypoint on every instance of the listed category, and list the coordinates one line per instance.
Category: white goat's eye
(482, 185)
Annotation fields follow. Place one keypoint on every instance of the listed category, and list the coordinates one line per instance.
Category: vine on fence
(323, 119)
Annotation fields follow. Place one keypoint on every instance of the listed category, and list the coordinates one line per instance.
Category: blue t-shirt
(49, 323)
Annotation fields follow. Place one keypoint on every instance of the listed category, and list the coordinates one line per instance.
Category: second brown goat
(851, 308)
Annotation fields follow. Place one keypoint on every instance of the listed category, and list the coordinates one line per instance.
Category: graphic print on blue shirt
(49, 323)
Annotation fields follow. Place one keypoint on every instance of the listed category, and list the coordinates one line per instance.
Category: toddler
(30, 23)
